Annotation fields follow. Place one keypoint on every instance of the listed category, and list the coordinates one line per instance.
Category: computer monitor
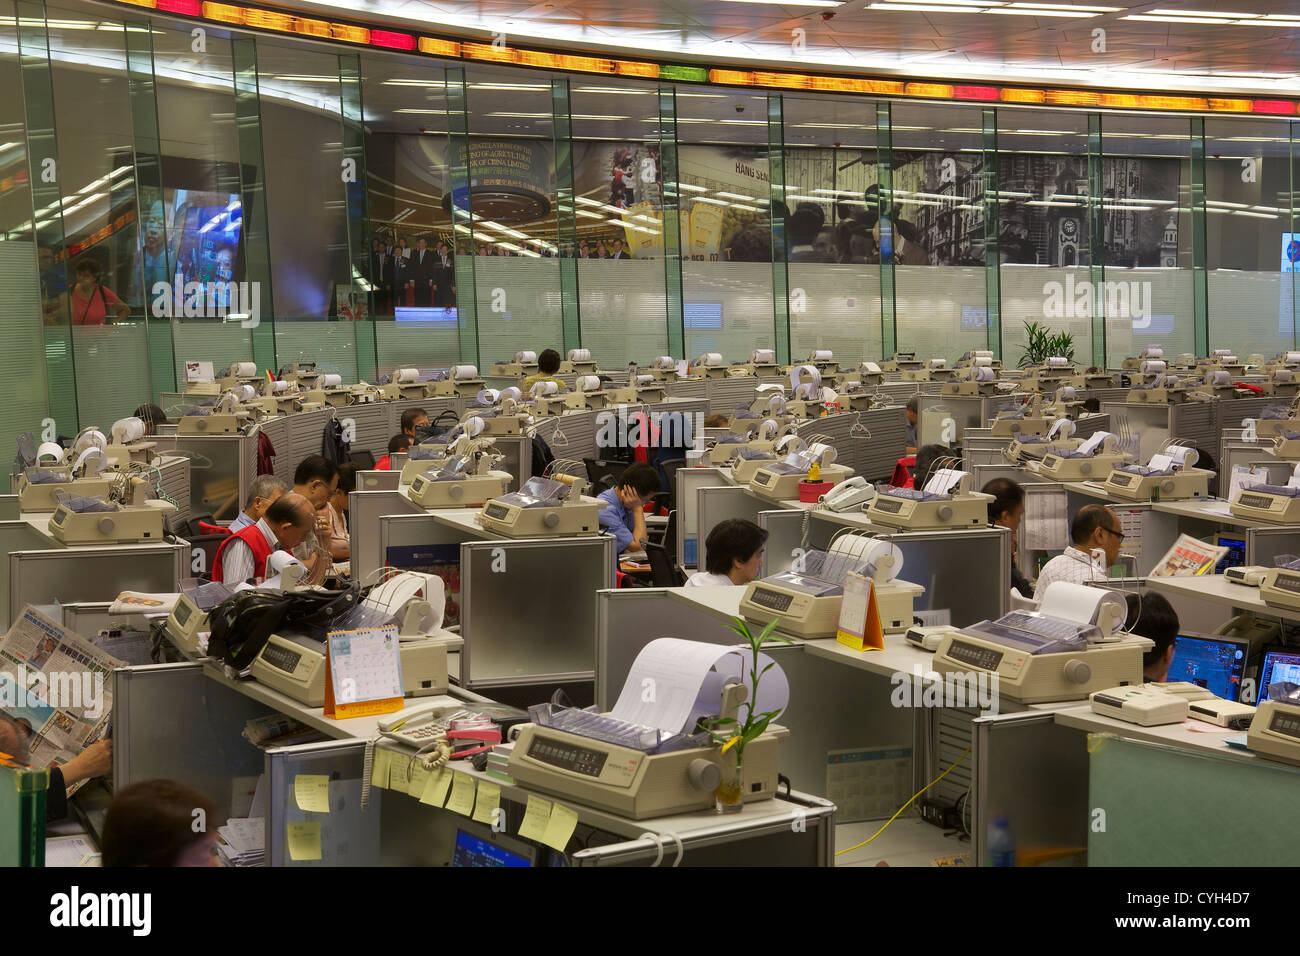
(1236, 555)
(1216, 663)
(483, 847)
(1279, 664)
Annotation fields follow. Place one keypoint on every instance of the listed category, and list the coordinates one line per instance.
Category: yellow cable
(906, 805)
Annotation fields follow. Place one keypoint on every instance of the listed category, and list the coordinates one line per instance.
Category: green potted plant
(734, 734)
(1041, 343)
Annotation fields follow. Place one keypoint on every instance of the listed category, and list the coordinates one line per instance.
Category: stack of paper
(498, 762)
(245, 842)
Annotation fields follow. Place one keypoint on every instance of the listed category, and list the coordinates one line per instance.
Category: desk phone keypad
(429, 731)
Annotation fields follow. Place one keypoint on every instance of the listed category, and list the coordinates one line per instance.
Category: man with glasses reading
(1096, 536)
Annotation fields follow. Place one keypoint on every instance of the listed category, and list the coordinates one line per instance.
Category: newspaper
(58, 684)
(1188, 556)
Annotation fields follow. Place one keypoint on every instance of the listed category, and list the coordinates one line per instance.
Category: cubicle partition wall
(365, 508)
(689, 481)
(19, 537)
(869, 442)
(348, 835)
(1265, 544)
(1194, 423)
(49, 575)
(221, 468)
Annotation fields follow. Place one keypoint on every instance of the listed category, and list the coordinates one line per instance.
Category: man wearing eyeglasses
(1095, 537)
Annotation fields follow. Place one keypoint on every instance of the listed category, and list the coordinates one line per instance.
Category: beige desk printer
(1168, 476)
(1027, 449)
(420, 458)
(187, 625)
(1286, 445)
(54, 473)
(1153, 353)
(762, 362)
(1281, 587)
(641, 388)
(524, 364)
(1276, 419)
(129, 443)
(548, 507)
(664, 369)
(331, 390)
(945, 502)
(768, 402)
(1275, 729)
(578, 362)
(779, 481)
(857, 396)
(807, 396)
(1165, 389)
(407, 383)
(1276, 504)
(865, 374)
(1093, 457)
(901, 362)
(278, 398)
(1027, 419)
(935, 370)
(982, 381)
(226, 417)
(1073, 645)
(588, 392)
(460, 381)
(500, 411)
(466, 479)
(762, 436)
(746, 462)
(548, 398)
(710, 365)
(645, 759)
(412, 601)
(807, 598)
(85, 520)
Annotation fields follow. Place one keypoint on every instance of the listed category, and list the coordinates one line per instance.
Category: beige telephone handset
(852, 494)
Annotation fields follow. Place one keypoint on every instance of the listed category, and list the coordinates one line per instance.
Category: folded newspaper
(57, 684)
(1188, 556)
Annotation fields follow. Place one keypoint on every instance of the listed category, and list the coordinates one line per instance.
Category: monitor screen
(1236, 555)
(474, 850)
(1280, 664)
(1215, 663)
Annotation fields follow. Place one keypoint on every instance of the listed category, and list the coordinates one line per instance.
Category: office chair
(1021, 603)
(663, 572)
(668, 471)
(364, 460)
(603, 475)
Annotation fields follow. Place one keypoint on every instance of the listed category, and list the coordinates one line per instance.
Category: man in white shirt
(283, 527)
(1095, 528)
(265, 490)
(732, 552)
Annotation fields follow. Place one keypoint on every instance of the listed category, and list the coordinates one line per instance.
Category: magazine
(1189, 556)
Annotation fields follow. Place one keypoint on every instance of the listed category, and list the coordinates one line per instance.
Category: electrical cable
(906, 805)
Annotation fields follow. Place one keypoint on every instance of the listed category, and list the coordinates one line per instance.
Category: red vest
(253, 537)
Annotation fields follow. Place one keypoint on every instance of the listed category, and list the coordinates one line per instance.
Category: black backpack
(243, 623)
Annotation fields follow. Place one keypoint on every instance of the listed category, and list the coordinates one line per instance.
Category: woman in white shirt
(733, 550)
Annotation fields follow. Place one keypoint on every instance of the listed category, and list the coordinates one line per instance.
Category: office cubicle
(365, 508)
(44, 576)
(348, 834)
(689, 481)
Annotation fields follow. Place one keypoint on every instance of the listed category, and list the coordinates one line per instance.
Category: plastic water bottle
(1002, 846)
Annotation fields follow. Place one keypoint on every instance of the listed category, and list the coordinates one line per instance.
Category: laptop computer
(1216, 663)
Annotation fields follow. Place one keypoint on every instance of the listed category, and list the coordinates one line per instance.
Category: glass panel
(302, 142)
(831, 170)
(407, 180)
(726, 224)
(1146, 196)
(1043, 227)
(938, 234)
(617, 182)
(1248, 232)
(201, 180)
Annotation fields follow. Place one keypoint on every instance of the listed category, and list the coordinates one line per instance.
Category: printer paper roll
(473, 427)
(1283, 376)
(1066, 393)
(526, 358)
(462, 372)
(406, 376)
(588, 383)
(788, 444)
(126, 430)
(49, 449)
(331, 380)
(1218, 378)
(825, 454)
(579, 355)
(1183, 454)
(1081, 603)
(541, 389)
(1291, 358)
(1057, 361)
(640, 380)
(90, 438)
(513, 393)
(1153, 352)
(94, 460)
(488, 396)
(279, 387)
(805, 375)
(1221, 353)
(664, 362)
(245, 392)
(874, 551)
(938, 363)
(982, 353)
(711, 359)
(1063, 427)
(244, 369)
(982, 361)
(822, 355)
(762, 356)
(1153, 367)
(870, 368)
(767, 429)
(983, 374)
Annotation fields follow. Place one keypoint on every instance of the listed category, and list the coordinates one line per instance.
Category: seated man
(1096, 537)
(243, 555)
(264, 492)
(733, 549)
(1006, 511)
(548, 363)
(95, 761)
(623, 515)
(151, 823)
(1151, 615)
(397, 445)
(315, 479)
(414, 419)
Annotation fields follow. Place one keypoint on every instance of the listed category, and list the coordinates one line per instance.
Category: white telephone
(420, 726)
(852, 494)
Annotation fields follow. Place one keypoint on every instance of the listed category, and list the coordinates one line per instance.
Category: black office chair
(364, 460)
(668, 469)
(603, 475)
(663, 572)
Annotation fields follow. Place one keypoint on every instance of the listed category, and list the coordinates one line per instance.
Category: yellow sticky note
(312, 791)
(435, 791)
(304, 841)
(399, 767)
(419, 780)
(462, 795)
(536, 817)
(379, 769)
(489, 800)
(560, 827)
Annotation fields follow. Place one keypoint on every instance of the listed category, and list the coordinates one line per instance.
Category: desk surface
(897, 657)
(40, 520)
(1095, 491)
(1218, 590)
(717, 601)
(1213, 510)
(1208, 740)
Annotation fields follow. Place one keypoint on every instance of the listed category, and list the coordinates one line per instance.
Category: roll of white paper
(1283, 375)
(664, 362)
(49, 449)
(1291, 358)
(788, 444)
(279, 387)
(870, 368)
(822, 355)
(643, 380)
(1065, 393)
(90, 438)
(245, 392)
(462, 372)
(513, 393)
(472, 426)
(825, 454)
(983, 374)
(526, 358)
(331, 380)
(767, 429)
(1062, 427)
(1218, 378)
(938, 363)
(1152, 352)
(541, 389)
(982, 361)
(243, 369)
(406, 376)
(1057, 361)
(579, 355)
(487, 396)
(982, 353)
(588, 383)
(1221, 353)
(1153, 367)
(805, 380)
(127, 430)
(711, 359)
(762, 356)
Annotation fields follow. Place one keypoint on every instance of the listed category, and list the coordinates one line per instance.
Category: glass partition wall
(368, 209)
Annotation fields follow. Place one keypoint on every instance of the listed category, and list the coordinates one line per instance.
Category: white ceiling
(1245, 45)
